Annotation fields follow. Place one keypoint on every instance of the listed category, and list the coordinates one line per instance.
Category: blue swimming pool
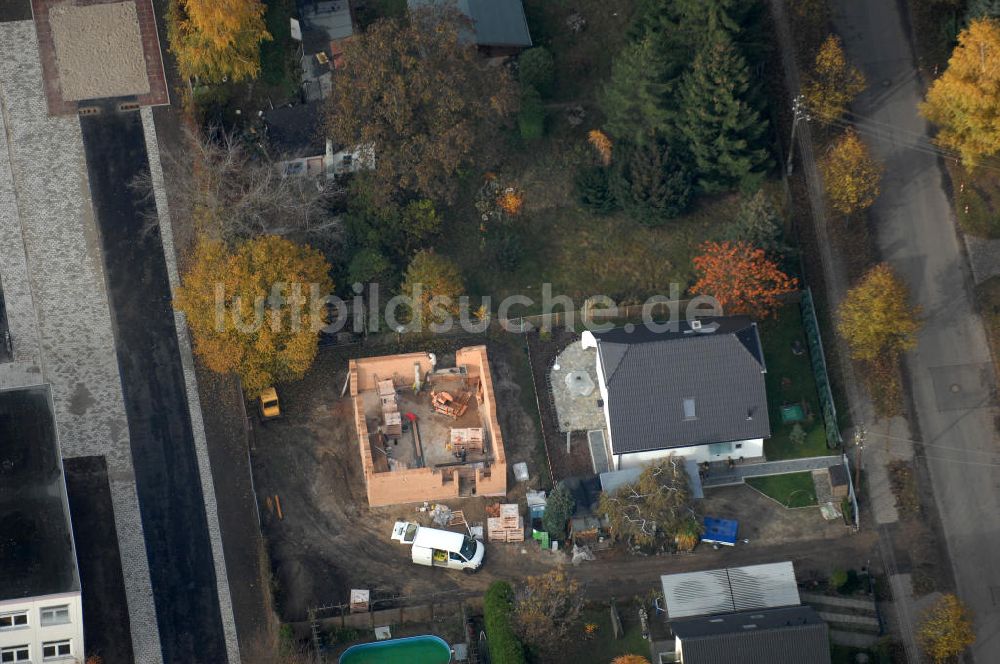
(426, 649)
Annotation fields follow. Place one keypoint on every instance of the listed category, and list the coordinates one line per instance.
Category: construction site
(427, 433)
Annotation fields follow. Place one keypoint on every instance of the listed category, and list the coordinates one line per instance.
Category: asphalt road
(163, 452)
(951, 375)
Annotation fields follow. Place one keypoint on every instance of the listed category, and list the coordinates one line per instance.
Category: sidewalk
(859, 405)
(737, 474)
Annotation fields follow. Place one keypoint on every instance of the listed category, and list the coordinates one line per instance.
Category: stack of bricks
(508, 527)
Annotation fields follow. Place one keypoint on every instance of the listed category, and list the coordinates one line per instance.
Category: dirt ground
(329, 540)
(577, 462)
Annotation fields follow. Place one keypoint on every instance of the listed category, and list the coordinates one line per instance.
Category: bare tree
(219, 187)
(657, 506)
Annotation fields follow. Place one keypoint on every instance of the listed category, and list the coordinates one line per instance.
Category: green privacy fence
(818, 358)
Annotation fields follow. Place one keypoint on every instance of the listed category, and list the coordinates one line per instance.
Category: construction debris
(446, 404)
(581, 554)
(441, 515)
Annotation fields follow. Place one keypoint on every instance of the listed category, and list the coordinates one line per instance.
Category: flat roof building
(40, 605)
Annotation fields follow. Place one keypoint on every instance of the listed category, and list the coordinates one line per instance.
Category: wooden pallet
(470, 439)
(497, 532)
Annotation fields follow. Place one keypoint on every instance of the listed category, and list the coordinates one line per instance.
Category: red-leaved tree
(741, 278)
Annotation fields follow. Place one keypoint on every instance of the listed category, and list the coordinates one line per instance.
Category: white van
(440, 548)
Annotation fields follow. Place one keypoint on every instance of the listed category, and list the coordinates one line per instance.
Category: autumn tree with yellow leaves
(434, 284)
(215, 40)
(964, 102)
(255, 310)
(946, 631)
(630, 659)
(833, 82)
(876, 318)
(850, 174)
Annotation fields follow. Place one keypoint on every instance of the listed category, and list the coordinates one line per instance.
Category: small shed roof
(838, 475)
(730, 589)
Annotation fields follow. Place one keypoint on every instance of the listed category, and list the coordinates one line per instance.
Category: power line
(938, 446)
(895, 136)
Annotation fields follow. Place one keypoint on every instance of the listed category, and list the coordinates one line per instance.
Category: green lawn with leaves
(790, 380)
(792, 490)
(602, 646)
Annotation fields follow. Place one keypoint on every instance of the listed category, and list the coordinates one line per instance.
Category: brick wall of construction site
(402, 486)
(414, 485)
(477, 364)
(397, 367)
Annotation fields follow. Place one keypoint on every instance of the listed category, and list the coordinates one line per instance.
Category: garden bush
(506, 248)
(531, 119)
(558, 511)
(505, 647)
(593, 189)
(537, 70)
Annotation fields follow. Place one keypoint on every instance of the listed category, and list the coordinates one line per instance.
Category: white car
(440, 548)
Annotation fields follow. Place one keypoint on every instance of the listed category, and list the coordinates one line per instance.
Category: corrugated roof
(731, 589)
(790, 635)
(650, 375)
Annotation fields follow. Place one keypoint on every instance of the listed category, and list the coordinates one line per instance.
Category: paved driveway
(950, 371)
(182, 570)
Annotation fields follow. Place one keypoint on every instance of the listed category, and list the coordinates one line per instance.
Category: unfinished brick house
(425, 432)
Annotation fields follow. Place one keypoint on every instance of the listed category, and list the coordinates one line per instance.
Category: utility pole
(799, 112)
(859, 443)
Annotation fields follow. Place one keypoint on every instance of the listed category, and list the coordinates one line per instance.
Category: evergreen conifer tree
(649, 183)
(721, 128)
(636, 99)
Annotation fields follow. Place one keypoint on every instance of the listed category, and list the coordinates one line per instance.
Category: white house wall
(34, 635)
(602, 386)
(698, 453)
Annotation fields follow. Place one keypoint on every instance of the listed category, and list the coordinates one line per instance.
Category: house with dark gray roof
(696, 390)
(787, 635)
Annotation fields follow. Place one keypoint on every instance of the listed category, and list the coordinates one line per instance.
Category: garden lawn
(792, 490)
(603, 647)
(790, 380)
(278, 67)
(581, 254)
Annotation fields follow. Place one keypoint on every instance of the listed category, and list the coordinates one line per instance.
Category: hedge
(505, 647)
